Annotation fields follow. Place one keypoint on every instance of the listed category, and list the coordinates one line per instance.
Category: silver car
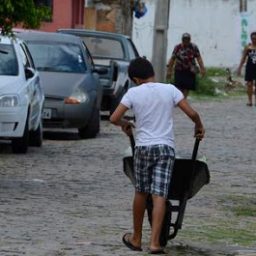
(21, 96)
(71, 84)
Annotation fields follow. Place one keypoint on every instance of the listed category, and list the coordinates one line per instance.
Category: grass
(241, 206)
(213, 84)
(233, 225)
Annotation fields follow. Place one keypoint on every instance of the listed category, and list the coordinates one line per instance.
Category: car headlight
(7, 101)
(77, 97)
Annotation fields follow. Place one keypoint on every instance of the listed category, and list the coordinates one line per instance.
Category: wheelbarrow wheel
(164, 236)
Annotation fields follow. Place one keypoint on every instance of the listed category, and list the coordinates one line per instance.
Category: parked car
(21, 96)
(71, 84)
(114, 52)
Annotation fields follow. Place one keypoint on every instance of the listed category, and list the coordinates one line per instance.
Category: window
(243, 5)
(104, 47)
(45, 3)
(57, 57)
(8, 61)
(132, 50)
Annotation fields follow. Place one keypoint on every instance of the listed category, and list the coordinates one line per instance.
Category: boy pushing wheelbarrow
(152, 104)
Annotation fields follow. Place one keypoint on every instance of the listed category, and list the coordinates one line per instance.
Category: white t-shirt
(152, 105)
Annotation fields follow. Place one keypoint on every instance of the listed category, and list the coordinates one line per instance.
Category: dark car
(114, 52)
(71, 85)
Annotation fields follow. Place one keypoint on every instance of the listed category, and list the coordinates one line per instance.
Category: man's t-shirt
(152, 105)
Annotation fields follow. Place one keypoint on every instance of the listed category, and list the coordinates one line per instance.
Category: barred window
(46, 3)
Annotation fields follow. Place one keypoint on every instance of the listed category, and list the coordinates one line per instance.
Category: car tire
(93, 126)
(20, 145)
(36, 137)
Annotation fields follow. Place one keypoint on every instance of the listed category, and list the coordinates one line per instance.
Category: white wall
(215, 26)
(143, 29)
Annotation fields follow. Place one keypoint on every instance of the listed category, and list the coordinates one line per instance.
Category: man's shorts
(153, 168)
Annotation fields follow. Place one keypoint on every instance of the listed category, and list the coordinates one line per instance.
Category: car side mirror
(29, 73)
(100, 71)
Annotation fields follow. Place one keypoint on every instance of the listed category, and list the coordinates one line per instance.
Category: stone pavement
(71, 198)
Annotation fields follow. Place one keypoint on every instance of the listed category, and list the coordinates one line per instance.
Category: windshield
(8, 60)
(103, 47)
(57, 57)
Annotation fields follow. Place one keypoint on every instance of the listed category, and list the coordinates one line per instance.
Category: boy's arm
(194, 116)
(117, 119)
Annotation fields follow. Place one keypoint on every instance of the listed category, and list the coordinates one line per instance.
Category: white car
(21, 96)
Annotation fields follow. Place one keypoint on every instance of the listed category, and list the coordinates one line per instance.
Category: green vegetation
(215, 84)
(234, 225)
(23, 12)
(242, 206)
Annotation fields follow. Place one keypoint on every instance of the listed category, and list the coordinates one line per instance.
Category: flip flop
(129, 244)
(158, 251)
(249, 104)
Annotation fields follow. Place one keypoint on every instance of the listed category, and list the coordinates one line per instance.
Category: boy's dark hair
(140, 68)
(253, 34)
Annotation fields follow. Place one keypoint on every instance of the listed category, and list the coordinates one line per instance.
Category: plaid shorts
(153, 168)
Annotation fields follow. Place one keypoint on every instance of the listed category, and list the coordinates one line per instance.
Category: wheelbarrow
(188, 177)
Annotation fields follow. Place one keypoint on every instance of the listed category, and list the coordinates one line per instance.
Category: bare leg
(139, 206)
(250, 91)
(157, 220)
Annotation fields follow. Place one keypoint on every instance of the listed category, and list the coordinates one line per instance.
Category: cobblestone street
(71, 198)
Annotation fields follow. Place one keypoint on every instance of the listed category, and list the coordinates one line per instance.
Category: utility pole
(160, 39)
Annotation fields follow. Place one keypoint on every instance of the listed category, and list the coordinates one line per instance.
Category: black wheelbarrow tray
(188, 177)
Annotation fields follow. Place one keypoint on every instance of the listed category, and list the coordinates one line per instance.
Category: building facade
(65, 14)
(220, 28)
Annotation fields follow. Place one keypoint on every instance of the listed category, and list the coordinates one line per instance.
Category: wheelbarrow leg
(178, 223)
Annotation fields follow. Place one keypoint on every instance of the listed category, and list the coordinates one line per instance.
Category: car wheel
(20, 145)
(36, 137)
(93, 126)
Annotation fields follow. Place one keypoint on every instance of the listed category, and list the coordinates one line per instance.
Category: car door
(94, 76)
(34, 90)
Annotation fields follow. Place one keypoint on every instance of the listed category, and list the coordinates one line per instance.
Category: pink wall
(66, 14)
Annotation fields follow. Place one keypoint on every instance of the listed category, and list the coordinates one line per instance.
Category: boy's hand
(127, 127)
(199, 132)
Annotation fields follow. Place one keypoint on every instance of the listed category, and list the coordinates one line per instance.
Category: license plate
(47, 113)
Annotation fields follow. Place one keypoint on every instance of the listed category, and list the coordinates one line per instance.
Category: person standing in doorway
(183, 59)
(152, 104)
(249, 56)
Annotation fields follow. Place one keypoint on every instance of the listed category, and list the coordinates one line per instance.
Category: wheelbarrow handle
(195, 149)
(132, 141)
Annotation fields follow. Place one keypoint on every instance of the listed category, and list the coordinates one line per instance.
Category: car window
(132, 50)
(30, 62)
(57, 57)
(104, 47)
(8, 60)
(88, 55)
(24, 57)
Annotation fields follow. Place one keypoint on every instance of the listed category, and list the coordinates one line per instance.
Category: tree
(23, 12)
